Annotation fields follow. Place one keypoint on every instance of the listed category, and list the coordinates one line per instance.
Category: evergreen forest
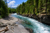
(31, 7)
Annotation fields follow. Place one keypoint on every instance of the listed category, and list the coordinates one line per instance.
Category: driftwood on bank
(5, 29)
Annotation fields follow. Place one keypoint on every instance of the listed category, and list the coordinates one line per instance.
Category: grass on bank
(0, 17)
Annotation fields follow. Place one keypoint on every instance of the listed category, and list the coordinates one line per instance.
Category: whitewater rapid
(37, 26)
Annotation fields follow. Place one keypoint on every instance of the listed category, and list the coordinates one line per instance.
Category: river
(37, 26)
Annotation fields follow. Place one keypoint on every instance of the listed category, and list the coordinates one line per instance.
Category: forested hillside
(3, 9)
(31, 7)
(34, 7)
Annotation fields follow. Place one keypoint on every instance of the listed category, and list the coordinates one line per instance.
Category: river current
(37, 26)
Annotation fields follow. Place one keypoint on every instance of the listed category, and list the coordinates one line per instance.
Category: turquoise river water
(37, 26)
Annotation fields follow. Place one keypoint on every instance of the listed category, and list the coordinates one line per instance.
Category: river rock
(30, 30)
(45, 19)
(17, 29)
(2, 24)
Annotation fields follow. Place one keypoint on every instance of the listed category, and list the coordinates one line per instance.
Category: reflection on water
(34, 24)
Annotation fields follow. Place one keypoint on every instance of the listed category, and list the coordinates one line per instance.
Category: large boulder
(46, 19)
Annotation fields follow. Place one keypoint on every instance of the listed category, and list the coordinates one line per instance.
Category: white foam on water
(41, 28)
(46, 32)
(14, 14)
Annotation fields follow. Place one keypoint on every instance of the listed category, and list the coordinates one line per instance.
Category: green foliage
(30, 7)
(12, 10)
(33, 7)
(0, 17)
(27, 7)
(3, 9)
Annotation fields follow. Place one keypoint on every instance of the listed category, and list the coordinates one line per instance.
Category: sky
(15, 3)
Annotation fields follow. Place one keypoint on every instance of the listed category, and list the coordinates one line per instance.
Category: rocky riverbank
(12, 25)
(43, 18)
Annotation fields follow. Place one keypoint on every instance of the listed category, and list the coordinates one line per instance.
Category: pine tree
(4, 8)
